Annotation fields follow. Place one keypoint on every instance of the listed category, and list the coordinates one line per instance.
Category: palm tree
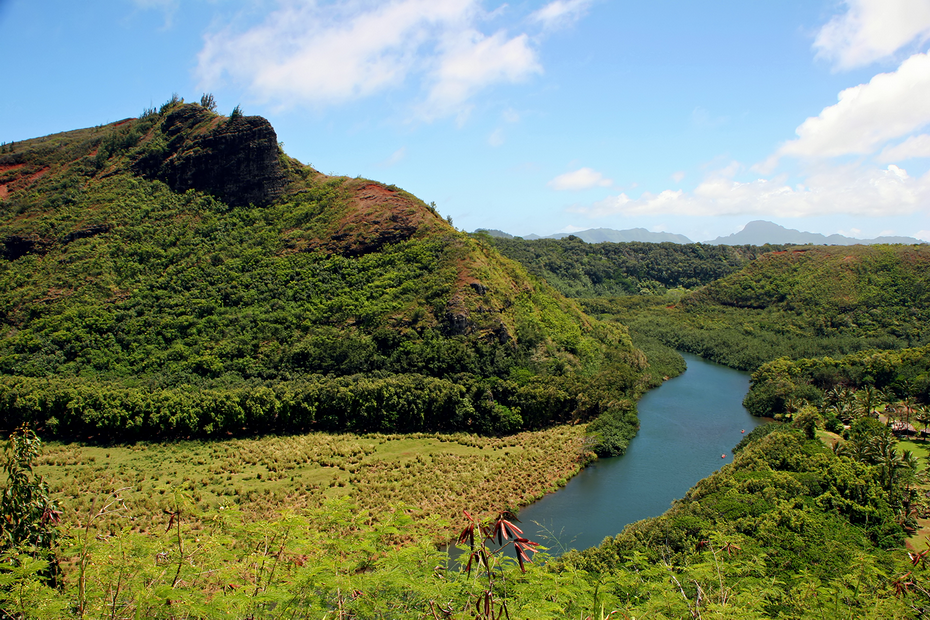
(868, 398)
(894, 469)
(923, 416)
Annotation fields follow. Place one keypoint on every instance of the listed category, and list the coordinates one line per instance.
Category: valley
(266, 392)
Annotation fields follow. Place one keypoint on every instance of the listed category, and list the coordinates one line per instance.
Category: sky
(529, 117)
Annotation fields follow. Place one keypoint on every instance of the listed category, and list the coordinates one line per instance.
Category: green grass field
(434, 475)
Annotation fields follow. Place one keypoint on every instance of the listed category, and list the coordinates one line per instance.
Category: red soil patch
(376, 216)
(38, 175)
(19, 181)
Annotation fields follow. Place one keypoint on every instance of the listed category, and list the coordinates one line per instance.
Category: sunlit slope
(805, 302)
(872, 290)
(184, 251)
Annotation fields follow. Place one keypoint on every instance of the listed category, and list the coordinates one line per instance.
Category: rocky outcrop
(84, 233)
(234, 159)
(16, 246)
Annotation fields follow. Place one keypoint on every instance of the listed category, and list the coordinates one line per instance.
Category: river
(686, 424)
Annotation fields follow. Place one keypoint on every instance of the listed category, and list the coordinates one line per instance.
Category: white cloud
(678, 177)
(701, 117)
(168, 7)
(851, 190)
(923, 235)
(395, 158)
(867, 116)
(915, 146)
(470, 61)
(561, 13)
(871, 30)
(583, 178)
(325, 54)
(510, 115)
(496, 138)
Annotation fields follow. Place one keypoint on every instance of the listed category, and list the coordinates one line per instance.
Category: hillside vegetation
(179, 275)
(895, 383)
(804, 302)
(579, 269)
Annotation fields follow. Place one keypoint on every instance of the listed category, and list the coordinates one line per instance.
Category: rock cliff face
(234, 159)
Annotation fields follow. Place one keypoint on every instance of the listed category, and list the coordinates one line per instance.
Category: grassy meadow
(432, 474)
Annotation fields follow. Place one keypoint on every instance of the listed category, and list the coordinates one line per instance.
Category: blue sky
(530, 117)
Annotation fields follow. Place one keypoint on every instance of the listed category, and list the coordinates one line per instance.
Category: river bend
(686, 424)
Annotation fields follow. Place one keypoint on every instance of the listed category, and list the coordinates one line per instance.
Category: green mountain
(178, 274)
(580, 269)
(802, 303)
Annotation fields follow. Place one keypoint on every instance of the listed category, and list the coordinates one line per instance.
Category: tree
(208, 102)
(28, 514)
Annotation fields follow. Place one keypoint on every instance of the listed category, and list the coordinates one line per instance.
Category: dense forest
(806, 302)
(579, 269)
(845, 388)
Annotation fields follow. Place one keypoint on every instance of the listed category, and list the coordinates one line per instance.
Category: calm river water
(685, 426)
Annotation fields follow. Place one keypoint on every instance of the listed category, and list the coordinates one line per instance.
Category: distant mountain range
(761, 232)
(600, 235)
(758, 232)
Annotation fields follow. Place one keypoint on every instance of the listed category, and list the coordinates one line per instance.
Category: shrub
(207, 101)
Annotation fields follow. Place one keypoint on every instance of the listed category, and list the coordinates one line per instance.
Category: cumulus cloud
(867, 116)
(915, 146)
(871, 30)
(583, 178)
(324, 54)
(561, 13)
(470, 61)
(852, 189)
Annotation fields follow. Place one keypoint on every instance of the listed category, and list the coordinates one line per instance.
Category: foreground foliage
(789, 529)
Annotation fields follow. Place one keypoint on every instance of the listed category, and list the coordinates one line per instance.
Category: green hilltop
(805, 301)
(178, 274)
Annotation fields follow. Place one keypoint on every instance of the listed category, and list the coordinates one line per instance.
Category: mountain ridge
(757, 232)
(601, 235)
(760, 232)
